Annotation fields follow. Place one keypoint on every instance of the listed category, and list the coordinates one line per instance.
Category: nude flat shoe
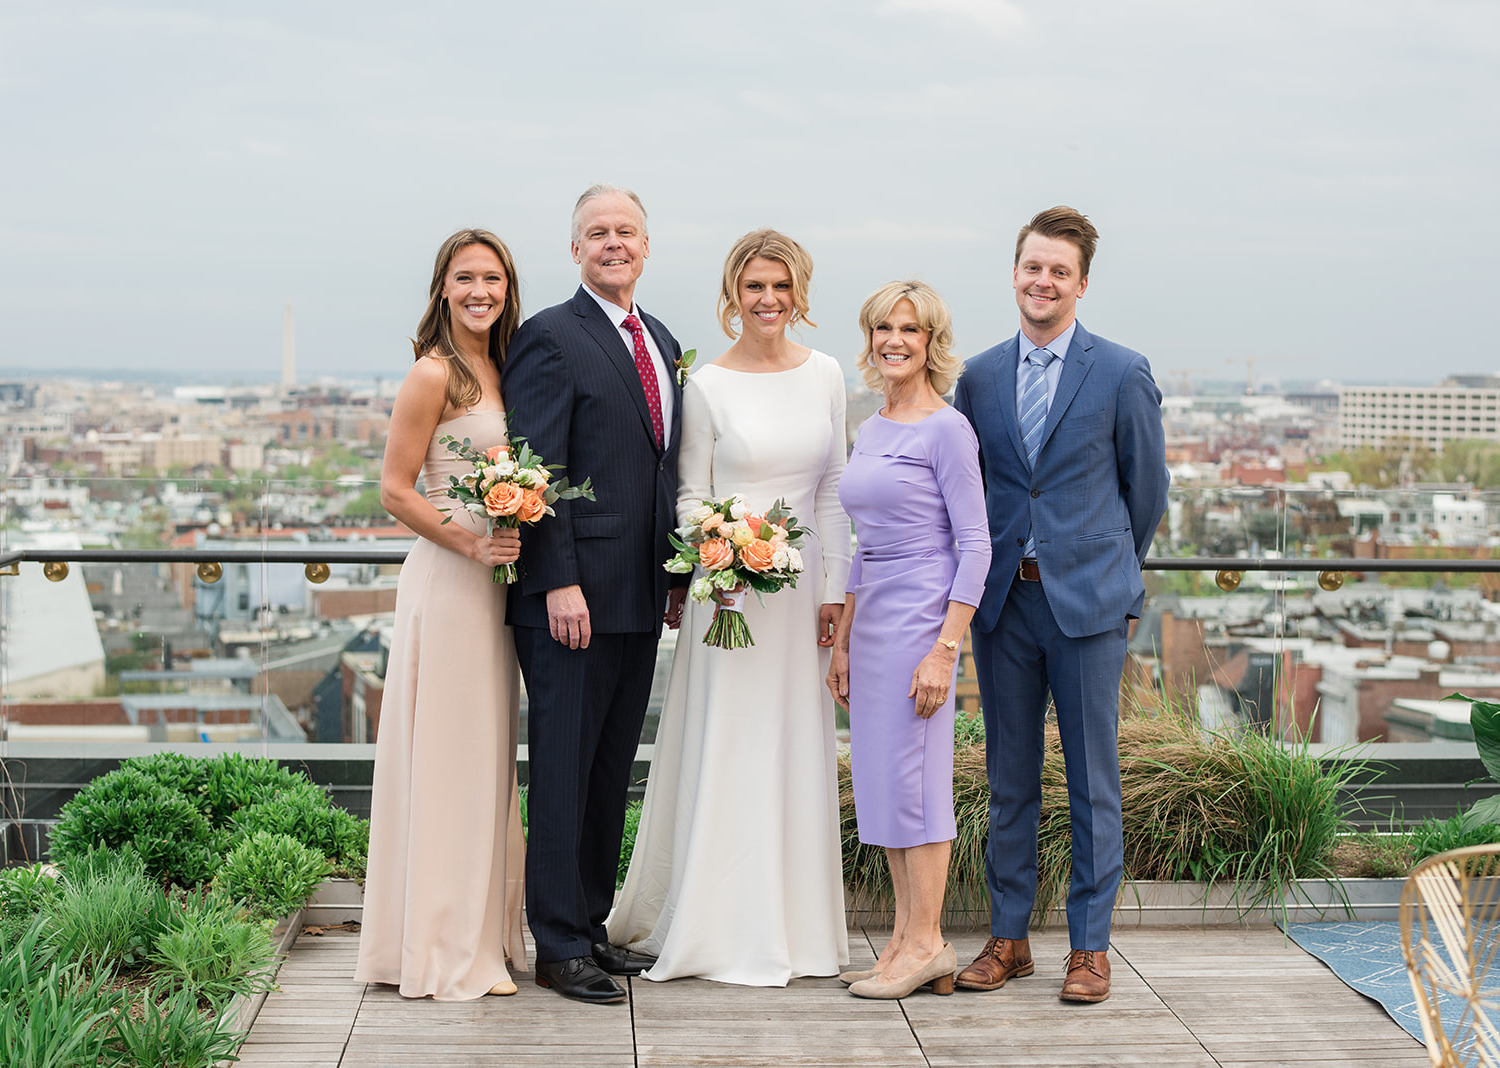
(936, 974)
(503, 989)
(850, 978)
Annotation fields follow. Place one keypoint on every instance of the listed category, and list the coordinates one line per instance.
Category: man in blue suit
(1075, 477)
(592, 384)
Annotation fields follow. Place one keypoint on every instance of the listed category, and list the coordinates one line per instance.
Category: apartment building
(1466, 406)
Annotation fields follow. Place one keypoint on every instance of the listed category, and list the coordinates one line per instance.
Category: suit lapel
(598, 326)
(1005, 387)
(657, 330)
(1075, 370)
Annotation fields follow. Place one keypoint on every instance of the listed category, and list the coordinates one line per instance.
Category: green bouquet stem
(728, 630)
(506, 573)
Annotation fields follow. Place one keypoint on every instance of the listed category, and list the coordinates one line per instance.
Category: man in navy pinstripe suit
(592, 384)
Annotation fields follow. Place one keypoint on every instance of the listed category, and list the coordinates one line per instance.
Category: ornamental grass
(1237, 807)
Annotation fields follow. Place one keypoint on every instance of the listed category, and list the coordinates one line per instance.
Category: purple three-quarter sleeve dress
(917, 500)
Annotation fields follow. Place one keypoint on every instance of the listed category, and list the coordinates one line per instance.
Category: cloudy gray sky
(1309, 182)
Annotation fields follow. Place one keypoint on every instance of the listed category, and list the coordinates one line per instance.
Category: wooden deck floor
(1182, 997)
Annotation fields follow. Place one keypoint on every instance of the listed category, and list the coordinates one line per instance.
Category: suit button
(1021, 542)
(1036, 493)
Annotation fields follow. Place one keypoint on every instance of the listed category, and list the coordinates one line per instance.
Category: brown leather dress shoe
(1088, 976)
(1001, 959)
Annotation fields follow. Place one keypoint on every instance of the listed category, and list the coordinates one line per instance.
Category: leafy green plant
(129, 807)
(1484, 717)
(1433, 836)
(107, 911)
(179, 774)
(171, 1032)
(271, 874)
(304, 812)
(210, 949)
(233, 781)
(1239, 807)
(51, 1012)
(24, 894)
(968, 729)
(627, 840)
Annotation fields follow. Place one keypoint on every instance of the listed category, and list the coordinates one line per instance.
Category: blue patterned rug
(1366, 955)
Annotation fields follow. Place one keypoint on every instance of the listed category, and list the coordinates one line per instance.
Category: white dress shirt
(617, 316)
(1058, 346)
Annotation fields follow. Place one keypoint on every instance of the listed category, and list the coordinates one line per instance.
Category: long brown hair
(435, 331)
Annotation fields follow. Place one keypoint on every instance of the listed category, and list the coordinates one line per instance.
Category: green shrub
(129, 807)
(233, 781)
(304, 812)
(968, 729)
(271, 874)
(51, 1012)
(171, 1032)
(211, 949)
(24, 893)
(1433, 836)
(107, 911)
(179, 774)
(1239, 807)
(627, 840)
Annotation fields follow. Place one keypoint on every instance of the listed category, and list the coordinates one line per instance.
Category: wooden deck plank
(1186, 997)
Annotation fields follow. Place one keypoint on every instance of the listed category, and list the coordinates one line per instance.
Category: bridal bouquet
(507, 489)
(737, 551)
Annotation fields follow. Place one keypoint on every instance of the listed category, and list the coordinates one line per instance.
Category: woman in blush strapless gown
(736, 873)
(914, 491)
(443, 892)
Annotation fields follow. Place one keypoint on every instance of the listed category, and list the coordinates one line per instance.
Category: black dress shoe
(579, 978)
(617, 960)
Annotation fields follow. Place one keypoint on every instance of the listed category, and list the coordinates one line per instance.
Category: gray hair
(604, 189)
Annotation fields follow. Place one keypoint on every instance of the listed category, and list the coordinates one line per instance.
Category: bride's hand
(501, 547)
(838, 676)
(828, 622)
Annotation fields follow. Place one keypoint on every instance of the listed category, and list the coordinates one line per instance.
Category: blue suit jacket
(1099, 488)
(572, 390)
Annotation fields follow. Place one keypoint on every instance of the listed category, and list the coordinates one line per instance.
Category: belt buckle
(1021, 570)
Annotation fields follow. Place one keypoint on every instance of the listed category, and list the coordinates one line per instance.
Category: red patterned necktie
(648, 375)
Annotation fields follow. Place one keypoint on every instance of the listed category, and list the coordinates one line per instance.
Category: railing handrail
(314, 553)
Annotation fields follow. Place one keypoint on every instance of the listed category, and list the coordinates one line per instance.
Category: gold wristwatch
(951, 646)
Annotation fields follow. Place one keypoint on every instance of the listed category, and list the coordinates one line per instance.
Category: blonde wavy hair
(435, 331)
(766, 245)
(943, 364)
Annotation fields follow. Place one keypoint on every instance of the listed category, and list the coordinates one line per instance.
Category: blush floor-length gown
(736, 873)
(443, 891)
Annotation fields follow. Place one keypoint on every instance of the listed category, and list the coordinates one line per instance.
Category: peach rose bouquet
(507, 488)
(737, 551)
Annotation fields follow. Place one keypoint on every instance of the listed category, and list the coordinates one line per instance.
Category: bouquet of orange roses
(508, 489)
(737, 551)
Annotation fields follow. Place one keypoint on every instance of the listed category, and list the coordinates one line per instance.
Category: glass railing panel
(1339, 657)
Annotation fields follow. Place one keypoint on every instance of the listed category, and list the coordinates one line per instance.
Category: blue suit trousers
(1024, 657)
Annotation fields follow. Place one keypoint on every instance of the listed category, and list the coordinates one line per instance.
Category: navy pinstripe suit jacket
(572, 390)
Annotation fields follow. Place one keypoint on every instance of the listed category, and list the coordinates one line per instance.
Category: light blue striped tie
(1034, 416)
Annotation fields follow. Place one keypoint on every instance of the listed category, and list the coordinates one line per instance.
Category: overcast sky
(1309, 182)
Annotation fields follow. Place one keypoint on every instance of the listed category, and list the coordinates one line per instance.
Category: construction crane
(1250, 362)
(1181, 374)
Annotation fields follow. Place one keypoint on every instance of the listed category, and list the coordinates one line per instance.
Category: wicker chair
(1450, 926)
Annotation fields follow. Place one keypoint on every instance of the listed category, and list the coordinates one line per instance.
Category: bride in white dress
(736, 872)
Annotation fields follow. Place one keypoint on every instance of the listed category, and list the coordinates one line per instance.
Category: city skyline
(1266, 180)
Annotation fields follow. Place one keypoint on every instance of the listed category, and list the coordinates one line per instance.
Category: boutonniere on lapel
(683, 364)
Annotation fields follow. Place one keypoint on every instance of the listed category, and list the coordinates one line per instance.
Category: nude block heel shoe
(936, 974)
(850, 978)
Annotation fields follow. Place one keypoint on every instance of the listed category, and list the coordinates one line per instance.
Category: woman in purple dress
(915, 494)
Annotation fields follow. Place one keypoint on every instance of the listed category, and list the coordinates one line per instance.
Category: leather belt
(1028, 571)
